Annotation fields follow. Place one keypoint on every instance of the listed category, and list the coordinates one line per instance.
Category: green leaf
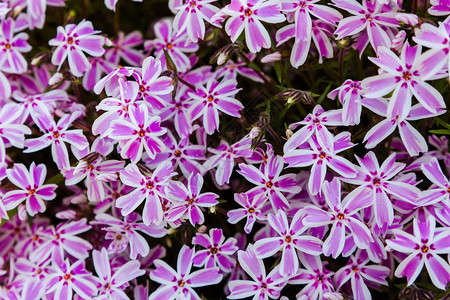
(440, 131)
(324, 94)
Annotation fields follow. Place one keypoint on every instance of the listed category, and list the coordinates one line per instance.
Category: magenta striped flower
(215, 97)
(218, 250)
(246, 15)
(71, 41)
(124, 49)
(343, 215)
(441, 191)
(423, 248)
(12, 47)
(190, 16)
(261, 285)
(149, 186)
(68, 279)
(33, 191)
(269, 182)
(57, 135)
(251, 209)
(290, 240)
(360, 273)
(320, 158)
(141, 132)
(180, 284)
(10, 130)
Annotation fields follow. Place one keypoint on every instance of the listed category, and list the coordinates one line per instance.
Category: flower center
(181, 283)
(340, 216)
(269, 184)
(31, 192)
(116, 195)
(425, 249)
(169, 46)
(119, 237)
(142, 88)
(288, 239)
(406, 75)
(376, 181)
(190, 201)
(70, 40)
(150, 185)
(125, 108)
(248, 12)
(141, 133)
(8, 46)
(67, 277)
(56, 134)
(264, 286)
(322, 155)
(177, 153)
(214, 250)
(210, 99)
(91, 167)
(251, 210)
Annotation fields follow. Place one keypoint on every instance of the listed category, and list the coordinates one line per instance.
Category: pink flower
(246, 15)
(369, 19)
(252, 210)
(342, 214)
(215, 97)
(11, 47)
(172, 41)
(33, 190)
(141, 131)
(111, 283)
(261, 285)
(57, 134)
(320, 158)
(149, 186)
(349, 94)
(127, 232)
(181, 283)
(423, 248)
(71, 278)
(70, 43)
(289, 241)
(123, 49)
(152, 86)
(358, 272)
(190, 15)
(188, 201)
(218, 252)
(404, 77)
(439, 8)
(270, 183)
(10, 130)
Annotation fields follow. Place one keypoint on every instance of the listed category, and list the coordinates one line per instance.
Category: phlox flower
(116, 108)
(10, 130)
(218, 250)
(368, 19)
(289, 240)
(141, 132)
(92, 76)
(231, 69)
(315, 123)
(63, 239)
(321, 33)
(223, 157)
(343, 215)
(358, 272)
(111, 82)
(11, 47)
(182, 154)
(35, 270)
(71, 41)
(151, 84)
(246, 15)
(123, 49)
(349, 94)
(56, 136)
(111, 282)
(33, 191)
(174, 42)
(413, 141)
(320, 158)
(441, 193)
(252, 210)
(403, 76)
(127, 232)
(189, 201)
(190, 16)
(68, 279)
(378, 181)
(437, 39)
(149, 186)
(316, 277)
(439, 8)
(181, 283)
(215, 97)
(270, 183)
(261, 285)
(423, 248)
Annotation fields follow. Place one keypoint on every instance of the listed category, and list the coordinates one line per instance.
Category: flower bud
(409, 19)
(397, 42)
(55, 79)
(272, 57)
(333, 296)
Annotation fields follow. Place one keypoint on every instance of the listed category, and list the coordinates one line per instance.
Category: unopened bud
(289, 133)
(272, 57)
(212, 209)
(55, 79)
(108, 42)
(343, 43)
(408, 19)
(202, 229)
(16, 11)
(39, 58)
(254, 132)
(218, 18)
(333, 296)
(292, 96)
(223, 54)
(397, 42)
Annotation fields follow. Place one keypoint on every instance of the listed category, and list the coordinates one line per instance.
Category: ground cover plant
(224, 149)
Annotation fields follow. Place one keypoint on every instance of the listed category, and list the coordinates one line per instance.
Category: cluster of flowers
(146, 163)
